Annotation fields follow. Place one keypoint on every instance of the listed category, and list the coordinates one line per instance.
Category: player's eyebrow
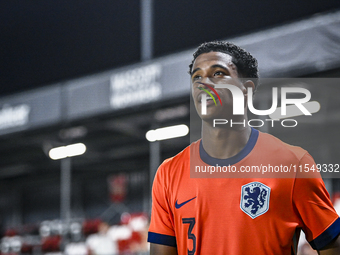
(213, 66)
(195, 70)
(220, 66)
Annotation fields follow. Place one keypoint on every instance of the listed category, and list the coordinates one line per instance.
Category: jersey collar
(234, 159)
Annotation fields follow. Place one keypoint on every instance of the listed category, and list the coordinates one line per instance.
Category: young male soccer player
(236, 215)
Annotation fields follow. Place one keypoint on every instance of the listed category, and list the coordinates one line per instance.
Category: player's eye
(196, 77)
(219, 73)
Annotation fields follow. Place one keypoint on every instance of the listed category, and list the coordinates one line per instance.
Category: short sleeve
(320, 221)
(161, 230)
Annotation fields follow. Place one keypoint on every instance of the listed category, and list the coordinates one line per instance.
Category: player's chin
(209, 116)
(212, 111)
(207, 119)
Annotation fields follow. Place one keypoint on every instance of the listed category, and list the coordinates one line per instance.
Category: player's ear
(247, 84)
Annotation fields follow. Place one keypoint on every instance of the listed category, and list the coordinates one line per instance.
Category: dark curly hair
(246, 64)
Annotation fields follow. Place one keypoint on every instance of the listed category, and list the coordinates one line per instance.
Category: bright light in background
(293, 110)
(67, 151)
(167, 133)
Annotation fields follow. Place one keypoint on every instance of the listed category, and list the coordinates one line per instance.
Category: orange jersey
(240, 215)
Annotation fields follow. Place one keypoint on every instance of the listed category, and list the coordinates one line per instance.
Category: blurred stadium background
(103, 73)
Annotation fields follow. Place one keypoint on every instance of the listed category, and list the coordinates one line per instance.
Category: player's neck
(224, 143)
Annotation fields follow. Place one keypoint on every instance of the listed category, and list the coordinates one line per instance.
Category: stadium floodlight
(294, 111)
(67, 151)
(167, 133)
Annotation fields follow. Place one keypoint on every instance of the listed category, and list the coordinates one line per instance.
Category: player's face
(214, 68)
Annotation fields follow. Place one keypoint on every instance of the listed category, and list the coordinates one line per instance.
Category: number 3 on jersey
(191, 222)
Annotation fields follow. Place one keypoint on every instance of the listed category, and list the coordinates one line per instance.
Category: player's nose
(206, 84)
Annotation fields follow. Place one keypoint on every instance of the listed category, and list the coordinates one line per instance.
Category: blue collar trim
(234, 159)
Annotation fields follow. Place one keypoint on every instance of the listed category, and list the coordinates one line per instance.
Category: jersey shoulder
(176, 162)
(278, 147)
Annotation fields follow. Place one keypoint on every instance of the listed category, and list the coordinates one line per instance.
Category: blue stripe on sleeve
(327, 236)
(162, 239)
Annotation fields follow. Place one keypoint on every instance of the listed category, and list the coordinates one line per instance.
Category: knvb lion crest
(255, 199)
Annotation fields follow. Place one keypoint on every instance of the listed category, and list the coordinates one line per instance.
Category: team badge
(255, 199)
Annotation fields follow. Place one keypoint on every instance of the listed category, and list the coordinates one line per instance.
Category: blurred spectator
(304, 247)
(131, 235)
(51, 244)
(91, 226)
(101, 243)
(11, 245)
(120, 234)
(336, 202)
(76, 249)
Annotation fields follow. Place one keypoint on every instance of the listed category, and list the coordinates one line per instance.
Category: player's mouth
(210, 100)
